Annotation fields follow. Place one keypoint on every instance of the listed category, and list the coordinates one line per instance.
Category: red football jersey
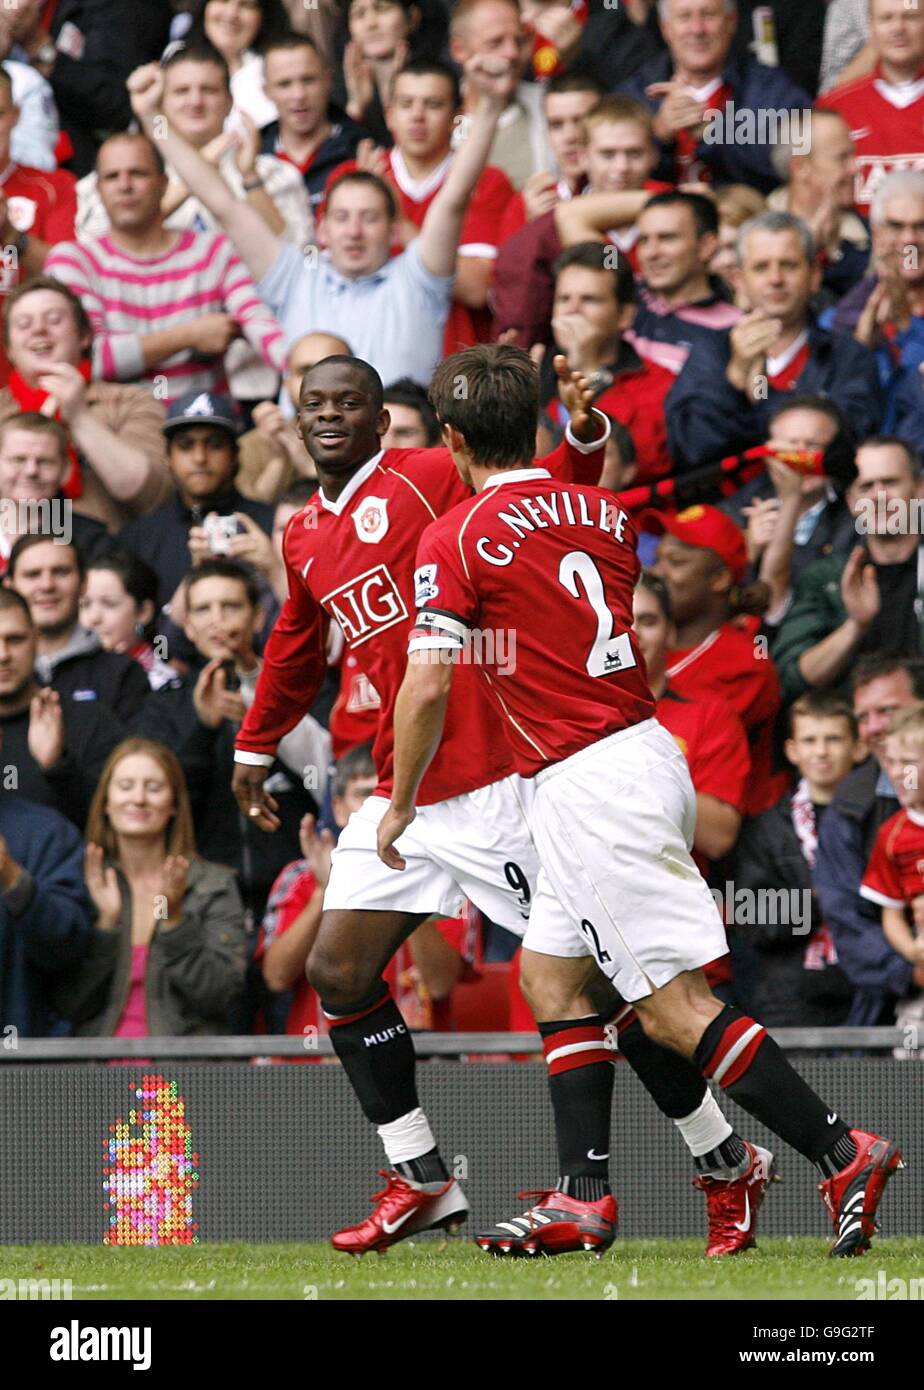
(41, 203)
(895, 872)
(886, 124)
(730, 667)
(355, 715)
(713, 741)
(539, 575)
(353, 561)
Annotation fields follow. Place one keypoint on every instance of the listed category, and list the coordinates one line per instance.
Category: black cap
(203, 408)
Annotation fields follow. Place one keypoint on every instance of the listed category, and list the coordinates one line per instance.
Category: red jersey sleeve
(294, 666)
(443, 593)
(482, 229)
(57, 224)
(721, 765)
(574, 462)
(290, 894)
(881, 883)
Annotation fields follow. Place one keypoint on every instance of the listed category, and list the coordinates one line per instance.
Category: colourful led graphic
(150, 1170)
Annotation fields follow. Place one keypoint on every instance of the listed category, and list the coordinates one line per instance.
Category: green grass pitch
(631, 1270)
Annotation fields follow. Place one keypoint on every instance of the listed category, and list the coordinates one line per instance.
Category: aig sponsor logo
(366, 605)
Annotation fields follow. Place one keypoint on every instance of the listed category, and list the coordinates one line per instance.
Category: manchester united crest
(371, 519)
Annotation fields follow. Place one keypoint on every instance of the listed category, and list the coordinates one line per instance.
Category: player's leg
(731, 1172)
(369, 911)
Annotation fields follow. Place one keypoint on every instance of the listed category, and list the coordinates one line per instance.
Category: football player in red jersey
(613, 808)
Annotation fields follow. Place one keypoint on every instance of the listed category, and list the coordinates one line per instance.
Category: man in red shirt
(885, 111)
(605, 772)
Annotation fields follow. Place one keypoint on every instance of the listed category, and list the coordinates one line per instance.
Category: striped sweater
(128, 296)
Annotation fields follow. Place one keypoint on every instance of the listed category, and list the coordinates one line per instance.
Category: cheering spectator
(884, 110)
(207, 514)
(692, 87)
(793, 519)
(679, 308)
(34, 463)
(199, 720)
(702, 559)
(593, 307)
(391, 309)
(819, 190)
(37, 206)
(798, 982)
(142, 273)
(120, 604)
(49, 575)
(384, 36)
(44, 912)
(242, 33)
(618, 156)
(724, 395)
(272, 455)
(737, 204)
(57, 748)
(865, 800)
(885, 311)
(86, 52)
(413, 422)
(311, 133)
(893, 877)
(115, 446)
(869, 601)
(166, 954)
(494, 30)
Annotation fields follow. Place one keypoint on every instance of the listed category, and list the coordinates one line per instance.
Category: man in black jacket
(49, 575)
(52, 752)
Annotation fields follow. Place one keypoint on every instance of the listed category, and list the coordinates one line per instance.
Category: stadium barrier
(189, 1139)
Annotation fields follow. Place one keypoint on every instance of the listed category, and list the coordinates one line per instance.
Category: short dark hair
(431, 67)
(593, 255)
(25, 543)
(821, 704)
(653, 584)
(407, 392)
(139, 581)
(140, 138)
(220, 567)
(704, 211)
(372, 378)
(356, 763)
(874, 665)
(366, 179)
(198, 51)
(12, 598)
(890, 441)
(274, 24)
(496, 408)
(288, 43)
(566, 82)
(47, 282)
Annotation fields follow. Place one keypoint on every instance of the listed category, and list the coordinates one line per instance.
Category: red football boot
(733, 1206)
(404, 1209)
(556, 1225)
(853, 1195)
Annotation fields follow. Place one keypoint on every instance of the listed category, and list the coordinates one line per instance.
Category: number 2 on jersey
(608, 654)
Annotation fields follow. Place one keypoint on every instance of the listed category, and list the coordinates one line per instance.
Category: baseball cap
(202, 408)
(706, 528)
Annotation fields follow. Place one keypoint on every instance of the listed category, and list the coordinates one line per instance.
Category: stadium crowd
(714, 212)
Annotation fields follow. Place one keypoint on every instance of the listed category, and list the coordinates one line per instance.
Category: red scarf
(33, 398)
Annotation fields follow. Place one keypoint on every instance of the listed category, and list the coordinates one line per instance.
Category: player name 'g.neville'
(560, 509)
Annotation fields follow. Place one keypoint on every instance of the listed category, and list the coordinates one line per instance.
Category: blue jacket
(708, 419)
(755, 89)
(45, 922)
(848, 833)
(908, 408)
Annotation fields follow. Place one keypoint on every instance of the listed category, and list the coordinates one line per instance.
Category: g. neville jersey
(353, 561)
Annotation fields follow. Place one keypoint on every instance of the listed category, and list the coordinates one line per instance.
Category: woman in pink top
(167, 955)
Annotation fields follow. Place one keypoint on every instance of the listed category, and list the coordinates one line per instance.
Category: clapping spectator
(723, 397)
(57, 747)
(166, 954)
(385, 35)
(117, 465)
(867, 798)
(120, 604)
(242, 31)
(140, 263)
(798, 983)
(44, 912)
(49, 575)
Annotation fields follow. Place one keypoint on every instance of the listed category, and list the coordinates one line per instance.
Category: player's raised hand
(255, 803)
(146, 90)
(577, 397)
(391, 827)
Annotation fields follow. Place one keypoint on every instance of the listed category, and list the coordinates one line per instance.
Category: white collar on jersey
(916, 816)
(900, 94)
(418, 189)
(517, 475)
(352, 487)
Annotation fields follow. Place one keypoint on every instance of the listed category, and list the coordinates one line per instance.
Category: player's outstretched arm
(243, 224)
(420, 713)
